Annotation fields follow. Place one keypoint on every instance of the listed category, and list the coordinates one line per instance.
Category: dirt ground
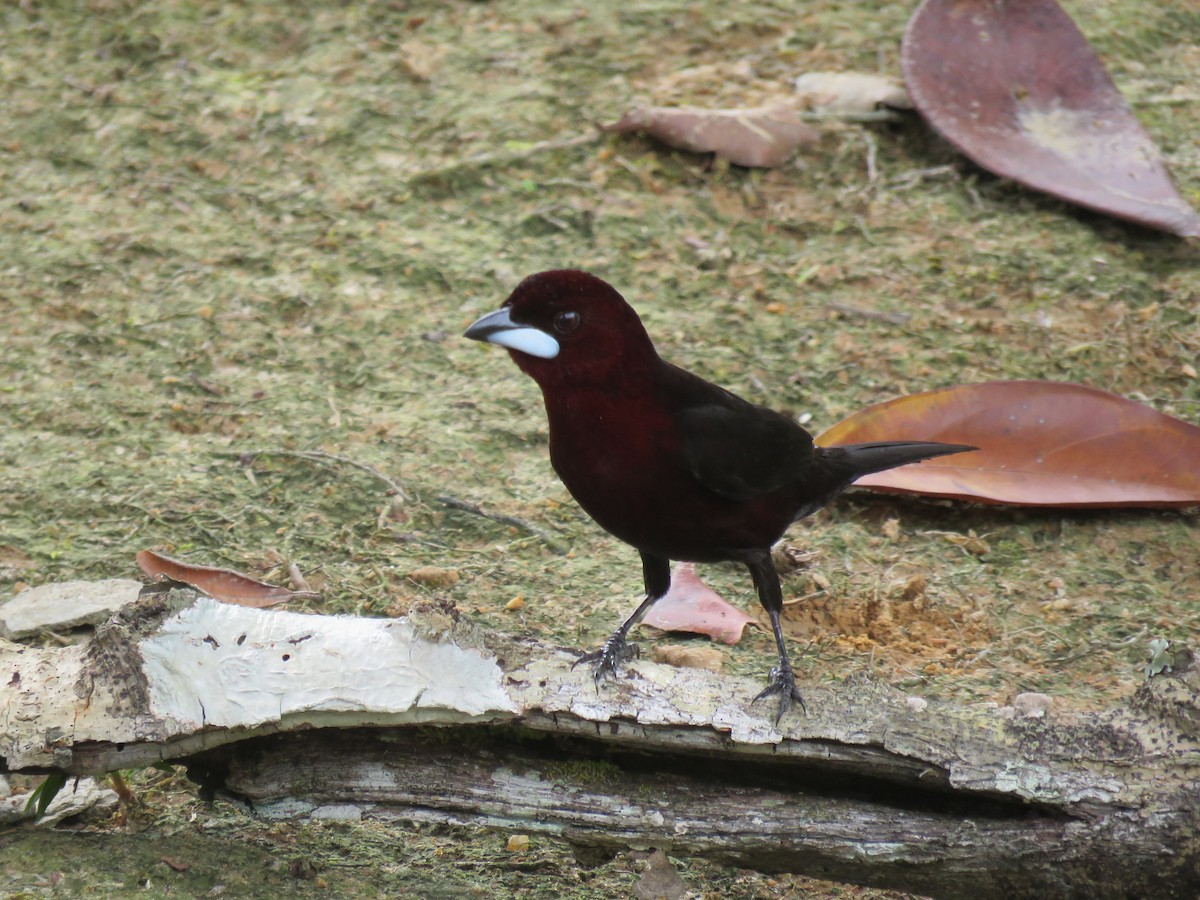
(231, 233)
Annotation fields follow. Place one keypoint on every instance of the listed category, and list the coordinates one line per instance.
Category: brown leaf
(692, 606)
(1017, 88)
(434, 576)
(707, 657)
(419, 60)
(659, 880)
(913, 588)
(220, 584)
(760, 137)
(970, 542)
(1042, 443)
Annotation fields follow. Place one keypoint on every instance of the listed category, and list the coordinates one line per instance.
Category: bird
(667, 462)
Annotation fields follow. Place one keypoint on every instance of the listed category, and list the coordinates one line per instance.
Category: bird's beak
(499, 328)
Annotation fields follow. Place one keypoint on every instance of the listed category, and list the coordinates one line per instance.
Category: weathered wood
(746, 812)
(312, 716)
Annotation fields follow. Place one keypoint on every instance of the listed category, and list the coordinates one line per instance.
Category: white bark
(155, 683)
(301, 715)
(64, 605)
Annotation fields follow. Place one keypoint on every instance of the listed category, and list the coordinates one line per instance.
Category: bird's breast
(622, 460)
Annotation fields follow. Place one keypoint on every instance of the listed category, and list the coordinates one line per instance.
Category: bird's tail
(854, 461)
(840, 466)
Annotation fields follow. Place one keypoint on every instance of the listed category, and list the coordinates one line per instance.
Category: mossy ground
(253, 227)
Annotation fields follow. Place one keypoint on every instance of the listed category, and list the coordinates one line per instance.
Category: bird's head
(568, 327)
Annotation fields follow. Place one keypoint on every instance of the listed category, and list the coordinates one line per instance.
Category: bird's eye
(566, 322)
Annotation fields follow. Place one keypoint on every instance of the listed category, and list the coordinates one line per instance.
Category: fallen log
(428, 719)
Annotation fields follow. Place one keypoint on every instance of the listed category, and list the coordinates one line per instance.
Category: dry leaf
(220, 584)
(1042, 443)
(850, 92)
(692, 606)
(418, 60)
(1018, 89)
(913, 588)
(708, 657)
(788, 559)
(659, 880)
(761, 137)
(434, 576)
(1031, 705)
(971, 542)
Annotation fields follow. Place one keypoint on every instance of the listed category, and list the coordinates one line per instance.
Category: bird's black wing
(734, 448)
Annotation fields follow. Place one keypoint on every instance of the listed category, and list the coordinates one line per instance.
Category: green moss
(590, 773)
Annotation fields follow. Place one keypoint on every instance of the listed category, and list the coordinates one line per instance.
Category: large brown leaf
(1042, 443)
(1015, 86)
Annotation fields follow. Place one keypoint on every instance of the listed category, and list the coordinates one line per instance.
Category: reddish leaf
(220, 584)
(1015, 86)
(692, 606)
(764, 137)
(1043, 443)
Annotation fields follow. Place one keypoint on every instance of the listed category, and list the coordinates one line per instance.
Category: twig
(892, 318)
(121, 787)
(1094, 646)
(872, 151)
(297, 577)
(875, 115)
(504, 157)
(520, 524)
(207, 386)
(812, 596)
(1166, 100)
(910, 179)
(976, 200)
(322, 457)
(581, 186)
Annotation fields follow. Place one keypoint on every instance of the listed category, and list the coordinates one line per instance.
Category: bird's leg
(615, 650)
(782, 680)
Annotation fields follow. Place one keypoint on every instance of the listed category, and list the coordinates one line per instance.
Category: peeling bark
(311, 716)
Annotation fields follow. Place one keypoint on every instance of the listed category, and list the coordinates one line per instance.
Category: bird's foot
(782, 681)
(609, 657)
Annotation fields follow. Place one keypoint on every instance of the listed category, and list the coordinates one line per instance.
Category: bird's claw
(782, 681)
(609, 657)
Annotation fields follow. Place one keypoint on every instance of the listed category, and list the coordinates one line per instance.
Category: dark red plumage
(673, 465)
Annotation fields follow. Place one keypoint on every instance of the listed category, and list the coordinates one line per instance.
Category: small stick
(906, 180)
(812, 596)
(1095, 646)
(502, 158)
(872, 151)
(323, 457)
(297, 577)
(874, 314)
(874, 115)
(520, 524)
